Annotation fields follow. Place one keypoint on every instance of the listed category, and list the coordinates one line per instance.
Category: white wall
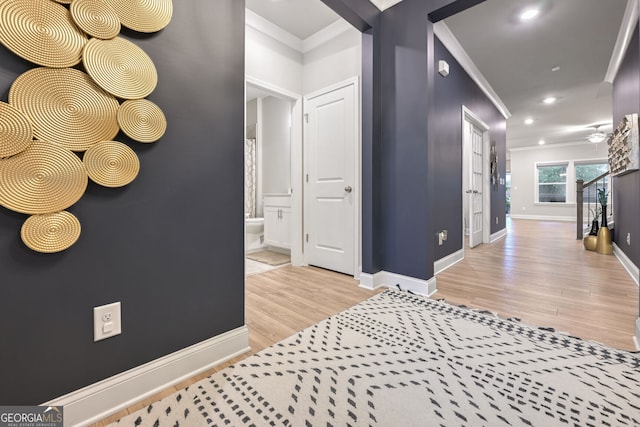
(271, 61)
(276, 145)
(523, 179)
(336, 60)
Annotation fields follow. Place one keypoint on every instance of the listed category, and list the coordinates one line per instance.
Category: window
(552, 183)
(590, 171)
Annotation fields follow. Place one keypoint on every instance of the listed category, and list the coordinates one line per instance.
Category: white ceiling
(516, 58)
(302, 18)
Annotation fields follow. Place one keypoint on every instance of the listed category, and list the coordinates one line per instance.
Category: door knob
(348, 189)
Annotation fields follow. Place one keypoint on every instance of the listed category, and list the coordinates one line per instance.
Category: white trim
(385, 278)
(544, 218)
(384, 4)
(629, 22)
(443, 263)
(97, 401)
(270, 29)
(325, 35)
(271, 88)
(498, 235)
(547, 146)
(636, 337)
(357, 156)
(628, 265)
(257, 22)
(372, 281)
(442, 31)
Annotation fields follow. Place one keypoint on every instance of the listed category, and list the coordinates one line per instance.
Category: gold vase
(604, 244)
(590, 242)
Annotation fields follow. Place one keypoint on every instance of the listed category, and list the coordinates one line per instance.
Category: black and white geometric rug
(399, 359)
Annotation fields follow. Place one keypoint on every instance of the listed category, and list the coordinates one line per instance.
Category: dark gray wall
(451, 93)
(169, 246)
(408, 173)
(626, 100)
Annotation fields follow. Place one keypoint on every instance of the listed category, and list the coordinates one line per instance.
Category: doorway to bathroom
(272, 205)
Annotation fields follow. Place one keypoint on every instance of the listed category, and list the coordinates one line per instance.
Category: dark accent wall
(451, 93)
(169, 246)
(626, 100)
(417, 156)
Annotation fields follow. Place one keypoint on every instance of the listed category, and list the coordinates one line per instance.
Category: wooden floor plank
(542, 274)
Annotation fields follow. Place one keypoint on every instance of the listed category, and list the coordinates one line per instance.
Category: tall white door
(476, 198)
(330, 193)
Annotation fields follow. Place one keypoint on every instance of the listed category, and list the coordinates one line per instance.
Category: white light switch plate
(107, 321)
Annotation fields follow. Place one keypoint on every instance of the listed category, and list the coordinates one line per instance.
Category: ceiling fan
(597, 136)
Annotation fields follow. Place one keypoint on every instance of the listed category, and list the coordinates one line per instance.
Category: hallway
(541, 274)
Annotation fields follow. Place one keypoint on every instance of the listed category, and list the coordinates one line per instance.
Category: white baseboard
(628, 265)
(390, 280)
(97, 401)
(498, 235)
(443, 263)
(544, 217)
(372, 281)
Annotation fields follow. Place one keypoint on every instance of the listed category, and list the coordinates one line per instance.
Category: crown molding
(270, 29)
(257, 22)
(556, 145)
(629, 22)
(442, 31)
(384, 4)
(324, 35)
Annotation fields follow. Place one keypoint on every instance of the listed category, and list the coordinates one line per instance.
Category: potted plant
(595, 213)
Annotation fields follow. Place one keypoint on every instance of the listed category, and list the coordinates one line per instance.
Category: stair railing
(580, 187)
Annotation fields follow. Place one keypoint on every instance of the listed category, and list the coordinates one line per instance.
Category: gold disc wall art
(111, 164)
(142, 120)
(16, 132)
(41, 32)
(44, 178)
(120, 67)
(95, 18)
(66, 107)
(145, 16)
(50, 233)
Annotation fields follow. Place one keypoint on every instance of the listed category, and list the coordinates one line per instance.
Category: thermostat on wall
(443, 68)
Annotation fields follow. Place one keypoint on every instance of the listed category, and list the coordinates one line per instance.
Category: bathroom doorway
(273, 210)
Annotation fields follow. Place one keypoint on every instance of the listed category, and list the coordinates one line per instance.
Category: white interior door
(330, 191)
(476, 199)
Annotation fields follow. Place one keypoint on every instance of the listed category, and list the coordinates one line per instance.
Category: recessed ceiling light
(541, 142)
(556, 68)
(528, 121)
(549, 100)
(529, 14)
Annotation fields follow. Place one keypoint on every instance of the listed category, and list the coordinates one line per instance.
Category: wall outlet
(107, 321)
(629, 239)
(442, 236)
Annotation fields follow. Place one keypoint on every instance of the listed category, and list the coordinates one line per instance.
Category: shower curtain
(250, 178)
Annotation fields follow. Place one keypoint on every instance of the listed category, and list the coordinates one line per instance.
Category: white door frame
(296, 162)
(357, 196)
(468, 116)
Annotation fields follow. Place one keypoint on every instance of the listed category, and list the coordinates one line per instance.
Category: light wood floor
(543, 275)
(538, 273)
